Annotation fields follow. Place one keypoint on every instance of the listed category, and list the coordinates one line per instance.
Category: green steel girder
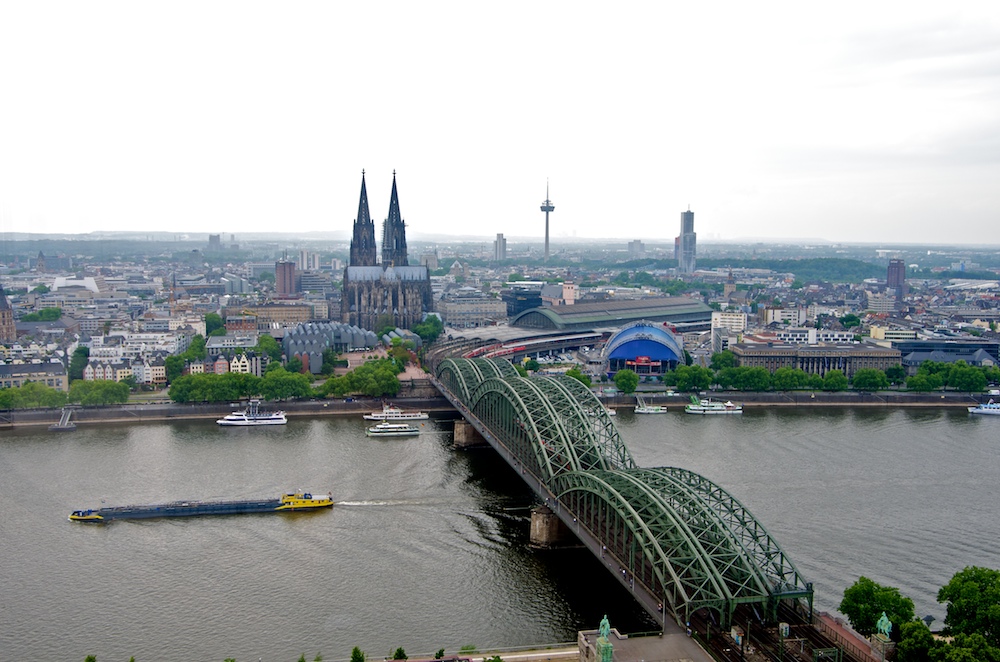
(613, 452)
(495, 368)
(458, 377)
(533, 424)
(777, 570)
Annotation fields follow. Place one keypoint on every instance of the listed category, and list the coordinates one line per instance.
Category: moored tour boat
(645, 408)
(392, 413)
(989, 408)
(709, 406)
(252, 415)
(386, 429)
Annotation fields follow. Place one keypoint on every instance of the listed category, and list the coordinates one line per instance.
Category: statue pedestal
(882, 645)
(605, 650)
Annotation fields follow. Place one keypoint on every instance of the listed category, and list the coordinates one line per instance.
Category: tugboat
(252, 415)
(385, 429)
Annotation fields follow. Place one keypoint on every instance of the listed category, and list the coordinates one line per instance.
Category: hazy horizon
(857, 123)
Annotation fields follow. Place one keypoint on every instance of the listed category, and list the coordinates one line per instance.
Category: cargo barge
(294, 501)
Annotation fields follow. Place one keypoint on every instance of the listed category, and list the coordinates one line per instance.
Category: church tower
(363, 250)
(394, 233)
(8, 331)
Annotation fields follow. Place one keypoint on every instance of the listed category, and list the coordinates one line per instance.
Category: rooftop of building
(604, 314)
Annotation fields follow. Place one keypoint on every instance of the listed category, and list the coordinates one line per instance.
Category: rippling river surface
(427, 546)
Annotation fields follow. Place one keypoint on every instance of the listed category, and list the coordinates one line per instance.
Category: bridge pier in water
(467, 436)
(547, 530)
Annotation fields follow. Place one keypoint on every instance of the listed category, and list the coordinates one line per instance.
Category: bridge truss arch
(675, 533)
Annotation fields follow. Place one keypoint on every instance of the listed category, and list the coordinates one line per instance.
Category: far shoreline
(355, 406)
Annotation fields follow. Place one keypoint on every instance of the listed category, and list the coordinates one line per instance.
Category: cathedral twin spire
(363, 250)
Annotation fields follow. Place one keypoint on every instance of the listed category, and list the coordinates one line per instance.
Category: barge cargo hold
(294, 501)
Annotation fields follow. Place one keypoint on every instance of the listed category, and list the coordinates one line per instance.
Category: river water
(426, 548)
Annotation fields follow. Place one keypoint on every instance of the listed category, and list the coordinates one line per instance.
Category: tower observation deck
(547, 206)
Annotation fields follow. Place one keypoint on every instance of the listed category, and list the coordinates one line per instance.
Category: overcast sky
(848, 121)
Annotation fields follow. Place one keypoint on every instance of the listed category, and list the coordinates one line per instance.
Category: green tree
(966, 648)
(915, 642)
(357, 655)
(865, 600)
(439, 654)
(723, 359)
(626, 381)
(294, 364)
(834, 380)
(850, 320)
(870, 379)
(266, 344)
(429, 329)
(399, 654)
(90, 658)
(174, 365)
(77, 362)
(532, 365)
(579, 376)
(963, 377)
(98, 392)
(213, 322)
(919, 382)
(520, 370)
(43, 315)
(693, 377)
(973, 603)
(329, 362)
(896, 374)
(788, 379)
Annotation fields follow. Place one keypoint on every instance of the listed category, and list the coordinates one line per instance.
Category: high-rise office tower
(500, 248)
(686, 243)
(547, 206)
(284, 277)
(895, 277)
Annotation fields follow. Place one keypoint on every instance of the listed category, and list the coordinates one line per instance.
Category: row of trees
(374, 378)
(972, 619)
(276, 384)
(35, 394)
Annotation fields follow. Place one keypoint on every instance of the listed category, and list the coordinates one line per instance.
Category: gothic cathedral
(390, 292)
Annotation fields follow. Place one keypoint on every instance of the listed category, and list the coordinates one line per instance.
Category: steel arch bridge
(674, 537)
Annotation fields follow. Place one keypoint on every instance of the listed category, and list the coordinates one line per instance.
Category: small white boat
(708, 406)
(391, 413)
(252, 415)
(989, 408)
(385, 429)
(645, 408)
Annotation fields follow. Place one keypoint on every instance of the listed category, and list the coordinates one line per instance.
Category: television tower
(547, 206)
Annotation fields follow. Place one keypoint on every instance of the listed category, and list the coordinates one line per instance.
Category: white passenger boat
(645, 408)
(708, 406)
(252, 415)
(989, 408)
(385, 429)
(391, 413)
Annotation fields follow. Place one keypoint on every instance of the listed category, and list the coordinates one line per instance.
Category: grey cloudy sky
(849, 121)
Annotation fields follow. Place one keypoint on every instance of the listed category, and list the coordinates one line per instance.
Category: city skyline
(864, 124)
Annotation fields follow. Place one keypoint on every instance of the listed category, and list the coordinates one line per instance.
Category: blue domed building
(648, 348)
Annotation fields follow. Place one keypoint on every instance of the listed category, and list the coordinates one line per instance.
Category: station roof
(613, 314)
